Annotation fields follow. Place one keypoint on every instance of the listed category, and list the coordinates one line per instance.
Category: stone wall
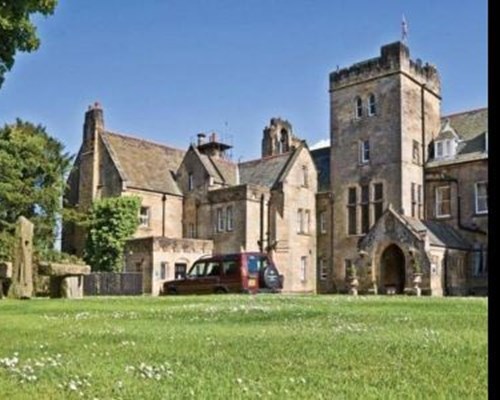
(291, 245)
(165, 212)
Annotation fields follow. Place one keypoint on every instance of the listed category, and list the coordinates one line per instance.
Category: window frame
(477, 197)
(439, 201)
(378, 202)
(303, 268)
(305, 176)
(358, 108)
(190, 182)
(352, 211)
(300, 220)
(220, 223)
(322, 222)
(439, 145)
(364, 151)
(229, 218)
(146, 217)
(164, 270)
(372, 105)
(365, 209)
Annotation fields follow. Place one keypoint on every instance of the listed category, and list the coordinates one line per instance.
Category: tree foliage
(17, 32)
(33, 166)
(112, 221)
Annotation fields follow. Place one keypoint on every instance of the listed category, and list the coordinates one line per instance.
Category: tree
(33, 166)
(112, 221)
(17, 32)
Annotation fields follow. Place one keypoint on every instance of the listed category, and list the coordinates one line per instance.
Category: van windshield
(256, 263)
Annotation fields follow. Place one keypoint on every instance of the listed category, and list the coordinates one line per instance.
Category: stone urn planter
(353, 284)
(417, 281)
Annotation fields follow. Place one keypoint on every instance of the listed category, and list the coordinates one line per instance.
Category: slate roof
(222, 171)
(142, 164)
(471, 127)
(227, 169)
(264, 171)
(321, 158)
(440, 233)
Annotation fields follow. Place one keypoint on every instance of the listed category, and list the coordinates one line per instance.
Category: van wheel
(220, 290)
(172, 291)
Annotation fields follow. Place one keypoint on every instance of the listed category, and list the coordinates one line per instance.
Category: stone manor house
(401, 185)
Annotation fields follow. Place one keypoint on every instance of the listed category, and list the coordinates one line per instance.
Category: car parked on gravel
(228, 273)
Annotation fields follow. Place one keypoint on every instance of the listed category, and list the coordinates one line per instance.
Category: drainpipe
(459, 203)
(261, 239)
(332, 201)
(422, 114)
(163, 200)
(445, 273)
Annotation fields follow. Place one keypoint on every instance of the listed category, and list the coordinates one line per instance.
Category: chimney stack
(94, 121)
(201, 138)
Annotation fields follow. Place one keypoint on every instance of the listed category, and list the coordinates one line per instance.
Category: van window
(213, 269)
(256, 263)
(230, 268)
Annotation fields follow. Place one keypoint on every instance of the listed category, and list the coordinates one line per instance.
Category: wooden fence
(112, 284)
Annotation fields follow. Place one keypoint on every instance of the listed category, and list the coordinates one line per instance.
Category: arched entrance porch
(392, 268)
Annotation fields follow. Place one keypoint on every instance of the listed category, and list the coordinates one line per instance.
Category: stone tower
(384, 112)
(278, 138)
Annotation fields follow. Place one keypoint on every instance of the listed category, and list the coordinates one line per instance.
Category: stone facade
(365, 204)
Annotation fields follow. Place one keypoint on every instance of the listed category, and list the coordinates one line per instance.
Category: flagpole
(404, 30)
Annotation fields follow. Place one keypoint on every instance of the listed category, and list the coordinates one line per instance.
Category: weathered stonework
(293, 203)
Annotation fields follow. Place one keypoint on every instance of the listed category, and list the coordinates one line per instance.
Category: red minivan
(228, 273)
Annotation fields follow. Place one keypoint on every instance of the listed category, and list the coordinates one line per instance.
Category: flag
(404, 29)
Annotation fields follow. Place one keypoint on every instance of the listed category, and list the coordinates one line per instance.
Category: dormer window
(372, 107)
(444, 148)
(358, 107)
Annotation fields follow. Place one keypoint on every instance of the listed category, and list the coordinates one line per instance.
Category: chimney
(94, 122)
(201, 138)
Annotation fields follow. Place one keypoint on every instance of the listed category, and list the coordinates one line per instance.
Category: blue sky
(165, 70)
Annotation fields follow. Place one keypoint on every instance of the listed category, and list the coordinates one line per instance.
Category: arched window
(358, 107)
(283, 141)
(372, 106)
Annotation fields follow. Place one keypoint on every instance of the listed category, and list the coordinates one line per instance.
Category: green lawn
(239, 346)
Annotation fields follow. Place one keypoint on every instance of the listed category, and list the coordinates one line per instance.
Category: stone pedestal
(66, 280)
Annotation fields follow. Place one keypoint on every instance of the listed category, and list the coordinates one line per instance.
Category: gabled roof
(321, 158)
(471, 128)
(447, 131)
(440, 233)
(142, 164)
(222, 171)
(264, 171)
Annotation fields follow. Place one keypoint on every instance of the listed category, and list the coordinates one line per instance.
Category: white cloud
(322, 143)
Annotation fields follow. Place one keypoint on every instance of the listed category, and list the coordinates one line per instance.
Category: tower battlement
(394, 58)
